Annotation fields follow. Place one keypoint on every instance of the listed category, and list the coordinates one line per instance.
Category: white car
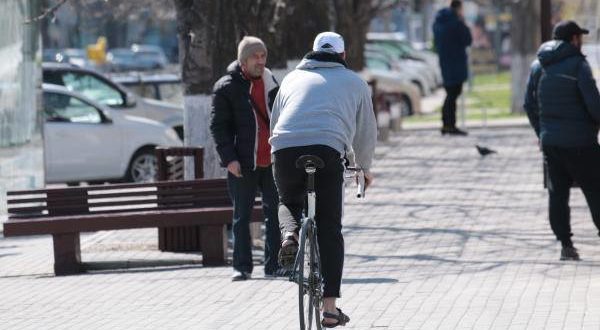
(86, 141)
(101, 89)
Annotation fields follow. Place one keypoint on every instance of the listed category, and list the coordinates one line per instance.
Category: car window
(93, 87)
(65, 108)
(377, 64)
(143, 90)
(172, 93)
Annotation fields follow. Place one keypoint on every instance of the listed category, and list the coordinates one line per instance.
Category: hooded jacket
(324, 103)
(234, 125)
(562, 100)
(451, 38)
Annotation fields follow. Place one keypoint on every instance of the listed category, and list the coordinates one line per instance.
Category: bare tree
(525, 40)
(352, 20)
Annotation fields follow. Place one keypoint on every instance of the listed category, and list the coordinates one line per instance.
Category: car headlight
(172, 135)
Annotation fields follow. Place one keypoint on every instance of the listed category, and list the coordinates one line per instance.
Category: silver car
(102, 90)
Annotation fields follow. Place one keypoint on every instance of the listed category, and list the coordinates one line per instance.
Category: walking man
(451, 38)
(563, 106)
(241, 106)
(322, 109)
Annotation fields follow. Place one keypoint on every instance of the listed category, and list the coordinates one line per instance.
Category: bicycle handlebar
(360, 180)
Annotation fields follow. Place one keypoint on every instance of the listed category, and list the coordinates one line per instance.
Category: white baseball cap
(329, 42)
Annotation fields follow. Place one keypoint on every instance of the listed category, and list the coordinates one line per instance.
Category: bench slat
(172, 192)
(162, 184)
(123, 220)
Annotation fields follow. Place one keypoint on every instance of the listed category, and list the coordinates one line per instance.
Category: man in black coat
(240, 121)
(452, 37)
(563, 106)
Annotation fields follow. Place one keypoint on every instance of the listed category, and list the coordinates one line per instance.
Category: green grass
(490, 97)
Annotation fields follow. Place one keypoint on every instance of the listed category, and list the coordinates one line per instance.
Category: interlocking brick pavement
(446, 239)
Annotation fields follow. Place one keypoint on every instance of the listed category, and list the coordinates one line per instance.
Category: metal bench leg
(213, 240)
(67, 254)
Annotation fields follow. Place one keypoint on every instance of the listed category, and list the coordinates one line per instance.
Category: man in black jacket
(240, 120)
(563, 106)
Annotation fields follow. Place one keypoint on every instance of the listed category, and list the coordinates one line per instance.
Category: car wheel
(420, 87)
(142, 167)
(406, 108)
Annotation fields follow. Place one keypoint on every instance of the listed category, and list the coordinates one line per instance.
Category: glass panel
(66, 108)
(93, 88)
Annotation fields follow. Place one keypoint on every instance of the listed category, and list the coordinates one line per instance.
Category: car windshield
(93, 88)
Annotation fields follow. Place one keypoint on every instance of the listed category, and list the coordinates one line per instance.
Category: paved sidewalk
(445, 240)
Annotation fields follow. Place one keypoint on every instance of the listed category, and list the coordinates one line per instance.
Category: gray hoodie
(324, 103)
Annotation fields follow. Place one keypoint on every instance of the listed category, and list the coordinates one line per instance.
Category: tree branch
(48, 12)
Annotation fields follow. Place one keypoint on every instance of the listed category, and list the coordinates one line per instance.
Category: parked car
(393, 88)
(403, 71)
(406, 49)
(399, 62)
(137, 58)
(160, 86)
(87, 141)
(101, 89)
(74, 56)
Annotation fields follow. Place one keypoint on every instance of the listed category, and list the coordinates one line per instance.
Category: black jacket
(233, 123)
(451, 38)
(562, 100)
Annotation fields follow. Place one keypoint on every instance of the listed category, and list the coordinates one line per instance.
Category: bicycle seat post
(310, 171)
(310, 189)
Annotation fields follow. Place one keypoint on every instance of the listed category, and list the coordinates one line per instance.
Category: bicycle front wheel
(308, 277)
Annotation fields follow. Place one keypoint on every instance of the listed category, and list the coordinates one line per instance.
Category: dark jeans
(566, 165)
(291, 184)
(449, 107)
(243, 192)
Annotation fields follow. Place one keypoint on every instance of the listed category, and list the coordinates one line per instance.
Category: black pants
(243, 193)
(566, 165)
(449, 107)
(291, 184)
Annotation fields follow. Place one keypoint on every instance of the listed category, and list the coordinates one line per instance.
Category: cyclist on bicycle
(322, 109)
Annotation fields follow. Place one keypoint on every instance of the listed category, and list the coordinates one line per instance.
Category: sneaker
(453, 131)
(569, 253)
(240, 276)
(288, 251)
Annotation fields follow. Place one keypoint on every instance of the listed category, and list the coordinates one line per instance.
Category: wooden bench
(66, 212)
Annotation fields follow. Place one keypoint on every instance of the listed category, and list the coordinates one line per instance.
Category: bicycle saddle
(309, 160)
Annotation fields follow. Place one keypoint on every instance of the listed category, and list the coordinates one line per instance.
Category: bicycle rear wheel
(316, 281)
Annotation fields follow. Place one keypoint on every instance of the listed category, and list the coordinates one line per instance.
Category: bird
(484, 151)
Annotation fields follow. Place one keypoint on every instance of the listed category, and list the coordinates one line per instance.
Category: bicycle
(306, 272)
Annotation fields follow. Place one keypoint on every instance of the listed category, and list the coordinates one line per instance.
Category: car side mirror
(130, 100)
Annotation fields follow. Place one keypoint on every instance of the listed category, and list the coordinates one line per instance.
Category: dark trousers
(291, 184)
(449, 107)
(566, 165)
(243, 192)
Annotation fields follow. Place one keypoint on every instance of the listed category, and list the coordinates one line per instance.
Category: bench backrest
(118, 198)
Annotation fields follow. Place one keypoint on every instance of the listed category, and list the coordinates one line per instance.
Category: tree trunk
(525, 39)
(197, 40)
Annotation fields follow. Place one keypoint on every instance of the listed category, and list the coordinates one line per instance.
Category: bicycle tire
(299, 273)
(315, 282)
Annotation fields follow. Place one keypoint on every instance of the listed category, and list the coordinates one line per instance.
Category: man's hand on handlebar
(368, 179)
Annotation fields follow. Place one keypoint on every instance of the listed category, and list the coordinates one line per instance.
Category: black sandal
(341, 318)
(287, 253)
